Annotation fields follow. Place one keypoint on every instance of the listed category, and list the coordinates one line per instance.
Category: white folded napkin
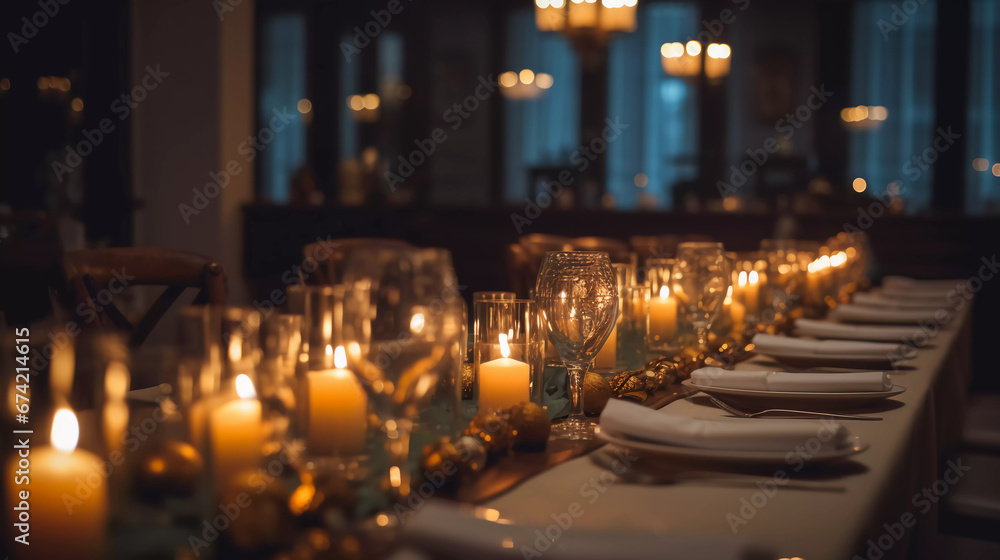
(851, 313)
(829, 329)
(447, 531)
(769, 343)
(737, 434)
(895, 302)
(900, 286)
(866, 381)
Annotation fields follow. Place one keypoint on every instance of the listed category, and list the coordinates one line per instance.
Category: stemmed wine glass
(577, 297)
(700, 280)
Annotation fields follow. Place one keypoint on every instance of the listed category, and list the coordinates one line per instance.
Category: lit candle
(68, 496)
(608, 356)
(663, 316)
(235, 431)
(751, 294)
(583, 13)
(503, 382)
(338, 409)
(737, 311)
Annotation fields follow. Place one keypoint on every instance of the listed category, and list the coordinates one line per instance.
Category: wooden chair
(332, 255)
(94, 276)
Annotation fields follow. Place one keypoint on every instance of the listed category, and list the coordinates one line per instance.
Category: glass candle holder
(486, 296)
(332, 403)
(661, 310)
(609, 357)
(508, 353)
(632, 326)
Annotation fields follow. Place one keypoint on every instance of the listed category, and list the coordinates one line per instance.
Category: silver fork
(741, 414)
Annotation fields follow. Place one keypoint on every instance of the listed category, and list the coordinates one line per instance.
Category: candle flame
(340, 357)
(65, 430)
(729, 296)
(329, 349)
(417, 322)
(742, 281)
(838, 258)
(753, 277)
(235, 349)
(116, 379)
(244, 387)
(664, 292)
(504, 347)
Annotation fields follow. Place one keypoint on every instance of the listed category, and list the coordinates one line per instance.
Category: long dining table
(880, 503)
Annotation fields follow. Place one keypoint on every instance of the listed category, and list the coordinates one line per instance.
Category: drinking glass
(700, 281)
(577, 297)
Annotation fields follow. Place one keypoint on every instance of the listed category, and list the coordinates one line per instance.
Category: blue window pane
(544, 131)
(282, 85)
(892, 67)
(660, 111)
(983, 187)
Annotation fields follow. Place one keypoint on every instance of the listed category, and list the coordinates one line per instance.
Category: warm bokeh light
(693, 48)
(371, 101)
(304, 106)
(980, 164)
(77, 104)
(4, 84)
(672, 50)
(860, 185)
(526, 76)
(244, 387)
(996, 169)
(508, 79)
(544, 80)
(65, 430)
(641, 180)
(356, 102)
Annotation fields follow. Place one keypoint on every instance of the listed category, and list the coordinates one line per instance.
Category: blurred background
(244, 129)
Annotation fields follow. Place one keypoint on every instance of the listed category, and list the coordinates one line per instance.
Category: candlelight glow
(244, 387)
(838, 258)
(340, 357)
(664, 292)
(693, 48)
(65, 430)
(753, 277)
(729, 297)
(417, 322)
(742, 280)
(116, 381)
(504, 347)
(235, 349)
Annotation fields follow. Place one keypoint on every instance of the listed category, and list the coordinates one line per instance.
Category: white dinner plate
(786, 399)
(844, 359)
(855, 445)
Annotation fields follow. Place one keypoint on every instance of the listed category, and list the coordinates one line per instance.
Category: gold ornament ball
(596, 393)
(471, 453)
(491, 428)
(530, 427)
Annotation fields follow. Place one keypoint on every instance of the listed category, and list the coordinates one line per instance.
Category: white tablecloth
(829, 515)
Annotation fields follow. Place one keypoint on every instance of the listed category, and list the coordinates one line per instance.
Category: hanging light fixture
(525, 84)
(685, 59)
(595, 19)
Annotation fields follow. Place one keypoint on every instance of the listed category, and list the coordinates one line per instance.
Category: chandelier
(685, 59)
(586, 19)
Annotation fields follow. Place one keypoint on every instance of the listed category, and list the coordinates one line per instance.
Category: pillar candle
(62, 494)
(338, 409)
(663, 316)
(608, 355)
(235, 432)
(503, 382)
(751, 294)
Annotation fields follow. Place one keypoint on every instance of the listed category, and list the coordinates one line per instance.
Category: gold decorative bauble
(491, 428)
(596, 392)
(263, 518)
(168, 468)
(472, 454)
(530, 426)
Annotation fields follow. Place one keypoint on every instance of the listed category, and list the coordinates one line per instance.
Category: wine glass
(577, 297)
(700, 280)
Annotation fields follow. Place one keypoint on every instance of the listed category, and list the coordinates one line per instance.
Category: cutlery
(742, 414)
